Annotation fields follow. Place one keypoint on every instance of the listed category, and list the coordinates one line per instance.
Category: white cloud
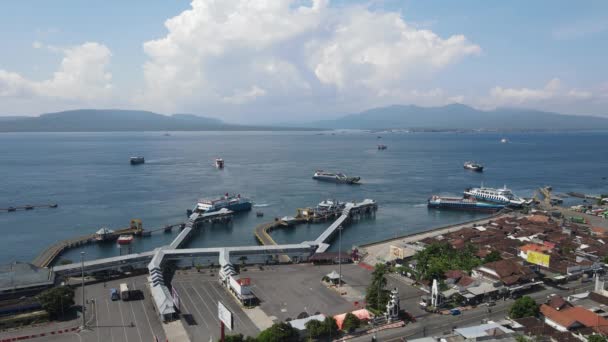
(81, 75)
(219, 53)
(37, 45)
(552, 92)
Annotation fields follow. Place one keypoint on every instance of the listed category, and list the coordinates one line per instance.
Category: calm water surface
(89, 176)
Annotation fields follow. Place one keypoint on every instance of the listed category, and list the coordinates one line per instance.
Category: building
(508, 272)
(20, 279)
(573, 318)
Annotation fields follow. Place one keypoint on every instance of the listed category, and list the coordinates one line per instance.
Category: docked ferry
(467, 204)
(341, 178)
(501, 196)
(231, 202)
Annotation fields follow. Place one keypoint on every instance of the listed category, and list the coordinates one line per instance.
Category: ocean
(89, 176)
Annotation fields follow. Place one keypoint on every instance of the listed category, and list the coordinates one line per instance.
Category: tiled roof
(568, 318)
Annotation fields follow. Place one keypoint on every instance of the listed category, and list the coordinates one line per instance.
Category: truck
(124, 291)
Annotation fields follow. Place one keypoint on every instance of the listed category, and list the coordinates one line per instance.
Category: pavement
(199, 295)
(107, 320)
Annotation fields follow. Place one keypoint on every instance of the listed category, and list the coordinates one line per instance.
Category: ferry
(219, 163)
(473, 166)
(125, 239)
(137, 160)
(341, 178)
(468, 204)
(230, 202)
(501, 196)
(329, 205)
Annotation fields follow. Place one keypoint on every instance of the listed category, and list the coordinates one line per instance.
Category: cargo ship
(340, 178)
(473, 166)
(502, 196)
(467, 204)
(231, 202)
(137, 160)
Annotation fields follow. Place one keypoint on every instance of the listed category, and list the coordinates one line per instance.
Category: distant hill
(458, 116)
(108, 120)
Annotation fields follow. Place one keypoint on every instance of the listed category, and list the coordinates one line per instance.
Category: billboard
(224, 315)
(537, 258)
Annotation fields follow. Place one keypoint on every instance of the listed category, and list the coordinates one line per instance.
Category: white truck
(124, 291)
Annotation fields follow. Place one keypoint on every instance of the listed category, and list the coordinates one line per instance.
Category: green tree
(596, 338)
(351, 322)
(523, 307)
(315, 328)
(493, 256)
(376, 296)
(330, 327)
(56, 300)
(279, 332)
(65, 262)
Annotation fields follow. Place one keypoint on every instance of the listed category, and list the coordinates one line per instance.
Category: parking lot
(199, 294)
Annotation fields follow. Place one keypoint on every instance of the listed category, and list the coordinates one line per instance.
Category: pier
(29, 207)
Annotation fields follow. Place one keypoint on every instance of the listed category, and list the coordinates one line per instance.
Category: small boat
(137, 160)
(11, 209)
(29, 207)
(54, 205)
(167, 134)
(259, 214)
(125, 239)
(219, 163)
(382, 147)
(504, 141)
(473, 166)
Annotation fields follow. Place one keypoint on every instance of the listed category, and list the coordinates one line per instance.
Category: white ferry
(501, 196)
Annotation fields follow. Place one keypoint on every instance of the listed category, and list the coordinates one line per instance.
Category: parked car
(114, 294)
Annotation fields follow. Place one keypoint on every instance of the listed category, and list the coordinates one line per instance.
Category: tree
(330, 327)
(493, 256)
(56, 300)
(351, 322)
(523, 307)
(596, 338)
(315, 328)
(376, 296)
(279, 332)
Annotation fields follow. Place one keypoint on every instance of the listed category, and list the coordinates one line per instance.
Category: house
(532, 247)
(506, 271)
(573, 318)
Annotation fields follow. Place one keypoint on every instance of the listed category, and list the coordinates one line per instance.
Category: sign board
(538, 258)
(396, 252)
(224, 315)
(175, 298)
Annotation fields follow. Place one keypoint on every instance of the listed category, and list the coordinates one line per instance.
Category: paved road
(434, 324)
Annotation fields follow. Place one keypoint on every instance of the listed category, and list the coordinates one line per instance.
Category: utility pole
(84, 324)
(340, 256)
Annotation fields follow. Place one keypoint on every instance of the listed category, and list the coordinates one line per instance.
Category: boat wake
(261, 205)
(421, 205)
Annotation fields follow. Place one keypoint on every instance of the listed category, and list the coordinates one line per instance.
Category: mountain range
(458, 116)
(450, 117)
(107, 120)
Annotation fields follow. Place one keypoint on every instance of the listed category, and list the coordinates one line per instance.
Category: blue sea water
(89, 176)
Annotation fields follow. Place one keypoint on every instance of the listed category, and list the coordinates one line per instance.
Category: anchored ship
(501, 196)
(453, 203)
(231, 202)
(335, 177)
(473, 166)
(125, 239)
(137, 160)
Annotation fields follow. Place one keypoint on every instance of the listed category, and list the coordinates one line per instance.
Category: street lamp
(84, 324)
(340, 256)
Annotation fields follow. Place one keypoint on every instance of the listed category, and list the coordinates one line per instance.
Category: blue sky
(243, 61)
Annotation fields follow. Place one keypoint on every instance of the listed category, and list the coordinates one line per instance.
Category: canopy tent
(361, 314)
(333, 275)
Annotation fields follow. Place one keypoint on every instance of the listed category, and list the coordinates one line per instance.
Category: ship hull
(488, 208)
(233, 207)
(337, 180)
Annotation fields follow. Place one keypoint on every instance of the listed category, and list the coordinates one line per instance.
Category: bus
(124, 291)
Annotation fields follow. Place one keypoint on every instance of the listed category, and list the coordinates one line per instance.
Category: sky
(264, 61)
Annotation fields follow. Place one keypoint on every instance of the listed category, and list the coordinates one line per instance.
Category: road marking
(195, 308)
(135, 319)
(213, 312)
(109, 315)
(231, 307)
(145, 313)
(96, 322)
(122, 320)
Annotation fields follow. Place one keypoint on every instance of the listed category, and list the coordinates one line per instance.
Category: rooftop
(24, 275)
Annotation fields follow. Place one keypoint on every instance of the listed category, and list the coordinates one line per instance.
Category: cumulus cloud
(553, 91)
(81, 75)
(226, 52)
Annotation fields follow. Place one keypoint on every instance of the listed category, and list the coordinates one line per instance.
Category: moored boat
(125, 239)
(501, 196)
(231, 202)
(340, 178)
(137, 160)
(466, 204)
(382, 147)
(473, 166)
(219, 163)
